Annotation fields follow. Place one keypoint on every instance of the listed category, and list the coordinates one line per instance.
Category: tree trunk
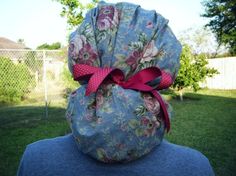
(181, 94)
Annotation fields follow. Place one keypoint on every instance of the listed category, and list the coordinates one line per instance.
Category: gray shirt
(60, 156)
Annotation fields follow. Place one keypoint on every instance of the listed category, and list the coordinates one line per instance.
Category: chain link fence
(33, 77)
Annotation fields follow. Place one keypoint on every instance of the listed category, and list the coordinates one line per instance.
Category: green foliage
(74, 10)
(68, 80)
(193, 70)
(222, 14)
(53, 46)
(15, 81)
(32, 62)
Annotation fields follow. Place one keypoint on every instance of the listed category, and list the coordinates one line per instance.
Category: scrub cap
(122, 55)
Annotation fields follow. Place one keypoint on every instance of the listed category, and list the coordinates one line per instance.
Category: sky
(39, 21)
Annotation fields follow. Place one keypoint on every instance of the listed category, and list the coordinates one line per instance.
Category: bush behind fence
(33, 76)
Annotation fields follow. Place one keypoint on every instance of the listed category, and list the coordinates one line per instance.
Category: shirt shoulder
(60, 156)
(47, 156)
(185, 160)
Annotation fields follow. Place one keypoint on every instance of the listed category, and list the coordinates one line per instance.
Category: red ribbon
(138, 81)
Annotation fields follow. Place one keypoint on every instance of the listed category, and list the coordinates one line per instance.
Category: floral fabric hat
(122, 55)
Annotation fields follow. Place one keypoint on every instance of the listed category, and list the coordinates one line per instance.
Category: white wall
(226, 79)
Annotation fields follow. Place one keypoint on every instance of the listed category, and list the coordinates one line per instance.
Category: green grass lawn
(204, 121)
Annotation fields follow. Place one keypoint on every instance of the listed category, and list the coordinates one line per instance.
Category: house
(12, 50)
(9, 44)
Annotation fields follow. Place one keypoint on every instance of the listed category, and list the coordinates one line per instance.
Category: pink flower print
(70, 112)
(120, 146)
(81, 101)
(133, 59)
(144, 121)
(87, 55)
(125, 47)
(75, 45)
(102, 155)
(73, 94)
(116, 17)
(150, 51)
(149, 25)
(151, 104)
(68, 115)
(147, 55)
(106, 12)
(89, 117)
(151, 125)
(104, 24)
(99, 99)
(108, 17)
(106, 88)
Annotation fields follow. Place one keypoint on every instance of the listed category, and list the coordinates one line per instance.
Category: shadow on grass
(16, 116)
(170, 94)
(22, 125)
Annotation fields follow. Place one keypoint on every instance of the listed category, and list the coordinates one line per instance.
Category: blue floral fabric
(116, 124)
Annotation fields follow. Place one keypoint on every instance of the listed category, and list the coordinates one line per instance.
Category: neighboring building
(10, 49)
(9, 44)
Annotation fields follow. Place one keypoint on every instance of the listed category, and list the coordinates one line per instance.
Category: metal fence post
(45, 83)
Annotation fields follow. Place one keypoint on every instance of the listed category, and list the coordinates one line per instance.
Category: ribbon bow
(138, 81)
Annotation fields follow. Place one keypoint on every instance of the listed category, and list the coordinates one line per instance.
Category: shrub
(32, 62)
(15, 81)
(69, 81)
(193, 70)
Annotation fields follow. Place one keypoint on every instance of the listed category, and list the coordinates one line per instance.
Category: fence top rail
(222, 58)
(31, 50)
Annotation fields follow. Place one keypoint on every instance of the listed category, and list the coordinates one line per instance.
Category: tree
(53, 46)
(222, 14)
(202, 40)
(74, 10)
(21, 41)
(193, 70)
